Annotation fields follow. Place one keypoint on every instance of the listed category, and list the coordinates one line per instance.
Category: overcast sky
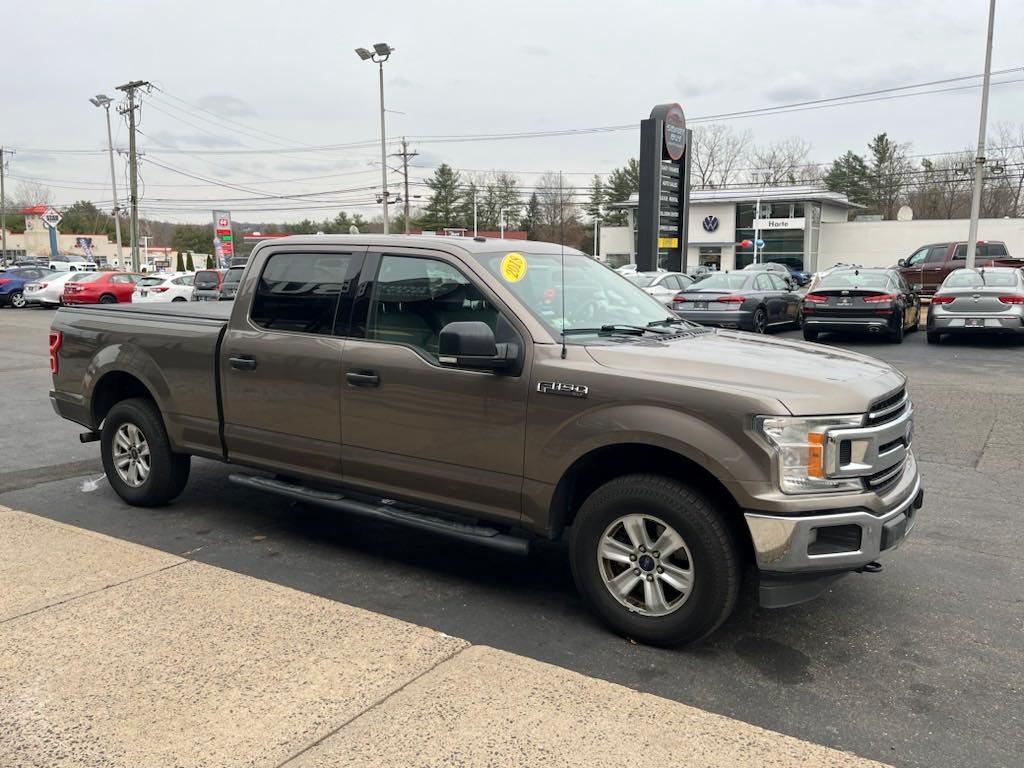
(470, 68)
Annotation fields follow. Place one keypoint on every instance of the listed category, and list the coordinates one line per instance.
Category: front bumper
(798, 557)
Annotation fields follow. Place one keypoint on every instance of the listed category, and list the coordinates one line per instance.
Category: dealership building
(806, 227)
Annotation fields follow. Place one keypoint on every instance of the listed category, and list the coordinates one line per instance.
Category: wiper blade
(631, 330)
(671, 321)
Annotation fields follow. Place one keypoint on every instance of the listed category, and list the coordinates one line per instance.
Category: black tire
(810, 334)
(933, 337)
(178, 298)
(896, 334)
(799, 322)
(107, 298)
(759, 323)
(16, 299)
(713, 552)
(168, 472)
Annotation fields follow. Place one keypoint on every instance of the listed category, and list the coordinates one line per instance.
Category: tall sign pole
(662, 218)
(3, 203)
(129, 89)
(979, 160)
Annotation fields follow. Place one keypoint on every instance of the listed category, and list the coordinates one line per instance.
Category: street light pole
(979, 160)
(102, 100)
(381, 53)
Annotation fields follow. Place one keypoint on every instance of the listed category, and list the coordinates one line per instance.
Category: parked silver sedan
(986, 300)
(663, 286)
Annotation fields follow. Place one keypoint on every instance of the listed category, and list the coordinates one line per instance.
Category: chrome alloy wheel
(131, 455)
(645, 565)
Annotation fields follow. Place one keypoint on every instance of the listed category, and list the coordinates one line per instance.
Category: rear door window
(301, 292)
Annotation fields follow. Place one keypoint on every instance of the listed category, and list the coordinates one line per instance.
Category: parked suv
(206, 285)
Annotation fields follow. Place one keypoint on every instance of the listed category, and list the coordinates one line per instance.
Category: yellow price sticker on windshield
(513, 267)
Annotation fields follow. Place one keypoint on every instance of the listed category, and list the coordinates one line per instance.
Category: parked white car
(71, 263)
(161, 288)
(47, 291)
(663, 286)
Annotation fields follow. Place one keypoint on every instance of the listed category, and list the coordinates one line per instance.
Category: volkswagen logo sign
(710, 223)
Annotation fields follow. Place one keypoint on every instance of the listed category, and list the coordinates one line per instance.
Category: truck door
(934, 269)
(281, 362)
(411, 427)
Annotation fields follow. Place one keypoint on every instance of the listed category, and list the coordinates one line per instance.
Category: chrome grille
(887, 409)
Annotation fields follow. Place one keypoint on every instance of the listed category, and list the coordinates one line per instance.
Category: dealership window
(783, 246)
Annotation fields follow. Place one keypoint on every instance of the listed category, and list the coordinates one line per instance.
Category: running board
(477, 534)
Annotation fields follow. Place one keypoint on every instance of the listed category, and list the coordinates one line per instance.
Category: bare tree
(1005, 191)
(781, 162)
(942, 187)
(29, 193)
(559, 214)
(718, 154)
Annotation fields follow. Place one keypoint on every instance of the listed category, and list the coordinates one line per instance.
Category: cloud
(691, 89)
(793, 87)
(205, 140)
(226, 105)
(401, 82)
(535, 50)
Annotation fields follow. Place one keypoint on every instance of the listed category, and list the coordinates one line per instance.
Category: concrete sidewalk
(113, 654)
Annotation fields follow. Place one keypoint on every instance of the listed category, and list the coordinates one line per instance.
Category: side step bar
(477, 534)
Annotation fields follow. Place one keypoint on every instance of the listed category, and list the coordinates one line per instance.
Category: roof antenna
(561, 238)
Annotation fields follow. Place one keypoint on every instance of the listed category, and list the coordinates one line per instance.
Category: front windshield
(723, 281)
(594, 294)
(969, 278)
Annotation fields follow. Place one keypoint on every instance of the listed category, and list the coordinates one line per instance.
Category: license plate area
(700, 305)
(974, 322)
(844, 301)
(143, 292)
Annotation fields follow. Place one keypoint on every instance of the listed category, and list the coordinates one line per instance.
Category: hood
(809, 379)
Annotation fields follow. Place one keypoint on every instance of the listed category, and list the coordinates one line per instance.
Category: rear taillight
(942, 299)
(160, 289)
(730, 299)
(4, 280)
(42, 285)
(678, 299)
(56, 339)
(1012, 299)
(880, 298)
(815, 298)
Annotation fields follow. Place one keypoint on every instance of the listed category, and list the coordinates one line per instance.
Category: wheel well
(596, 468)
(112, 389)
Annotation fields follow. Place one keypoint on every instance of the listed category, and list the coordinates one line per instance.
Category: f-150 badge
(560, 388)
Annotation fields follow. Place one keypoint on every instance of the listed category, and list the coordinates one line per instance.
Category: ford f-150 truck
(502, 393)
(929, 265)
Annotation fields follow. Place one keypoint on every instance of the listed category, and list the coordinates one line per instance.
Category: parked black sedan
(749, 301)
(877, 301)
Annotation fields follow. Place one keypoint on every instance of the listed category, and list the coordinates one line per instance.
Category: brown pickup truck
(501, 394)
(929, 265)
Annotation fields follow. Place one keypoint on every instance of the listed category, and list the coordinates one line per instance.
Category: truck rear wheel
(655, 560)
(137, 455)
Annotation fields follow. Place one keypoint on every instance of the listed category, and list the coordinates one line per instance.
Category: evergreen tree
(531, 220)
(443, 208)
(179, 264)
(622, 183)
(595, 206)
(189, 263)
(849, 175)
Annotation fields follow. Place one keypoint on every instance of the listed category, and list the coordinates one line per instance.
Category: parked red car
(100, 288)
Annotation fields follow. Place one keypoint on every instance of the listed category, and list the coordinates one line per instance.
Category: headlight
(799, 445)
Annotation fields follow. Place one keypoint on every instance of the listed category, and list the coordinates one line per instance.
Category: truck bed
(172, 349)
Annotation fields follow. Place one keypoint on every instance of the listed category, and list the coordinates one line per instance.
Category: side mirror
(472, 345)
(901, 263)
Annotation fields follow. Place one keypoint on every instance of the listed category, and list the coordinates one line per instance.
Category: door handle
(362, 378)
(243, 363)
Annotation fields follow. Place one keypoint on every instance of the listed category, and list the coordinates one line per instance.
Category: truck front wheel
(655, 559)
(137, 456)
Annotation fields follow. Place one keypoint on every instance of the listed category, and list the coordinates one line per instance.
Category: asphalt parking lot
(921, 665)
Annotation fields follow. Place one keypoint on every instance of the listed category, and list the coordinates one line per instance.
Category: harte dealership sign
(662, 216)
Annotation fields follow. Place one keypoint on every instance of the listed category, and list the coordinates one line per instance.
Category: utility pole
(130, 89)
(979, 160)
(405, 154)
(3, 202)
